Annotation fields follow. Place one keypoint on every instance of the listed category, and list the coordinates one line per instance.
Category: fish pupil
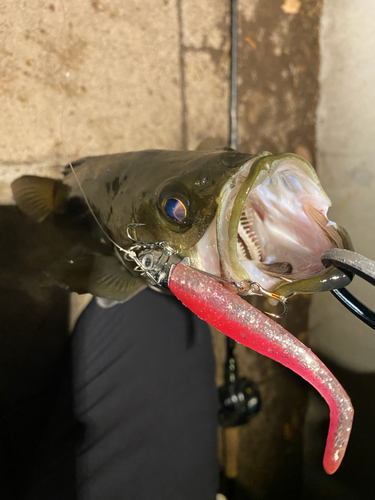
(175, 209)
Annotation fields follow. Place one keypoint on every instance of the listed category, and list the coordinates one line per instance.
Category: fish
(259, 218)
(214, 219)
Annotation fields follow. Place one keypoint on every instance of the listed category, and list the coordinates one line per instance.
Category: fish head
(174, 195)
(271, 227)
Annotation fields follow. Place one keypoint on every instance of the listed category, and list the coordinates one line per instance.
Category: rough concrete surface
(95, 77)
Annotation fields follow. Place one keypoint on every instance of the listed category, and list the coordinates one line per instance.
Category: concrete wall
(103, 76)
(346, 165)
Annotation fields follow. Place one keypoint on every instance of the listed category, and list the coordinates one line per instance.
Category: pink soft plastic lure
(244, 323)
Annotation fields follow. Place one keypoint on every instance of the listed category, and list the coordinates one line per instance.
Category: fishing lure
(229, 313)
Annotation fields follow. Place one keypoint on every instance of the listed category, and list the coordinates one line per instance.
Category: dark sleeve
(145, 407)
(146, 397)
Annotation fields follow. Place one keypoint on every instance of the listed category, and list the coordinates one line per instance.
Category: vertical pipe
(233, 78)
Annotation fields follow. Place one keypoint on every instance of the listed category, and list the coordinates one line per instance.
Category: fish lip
(232, 201)
(225, 207)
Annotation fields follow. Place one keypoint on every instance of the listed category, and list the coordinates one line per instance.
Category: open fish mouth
(271, 227)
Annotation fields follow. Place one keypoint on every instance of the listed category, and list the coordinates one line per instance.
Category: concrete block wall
(98, 76)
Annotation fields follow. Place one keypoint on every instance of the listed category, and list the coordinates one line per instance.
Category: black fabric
(136, 414)
(53, 473)
(146, 399)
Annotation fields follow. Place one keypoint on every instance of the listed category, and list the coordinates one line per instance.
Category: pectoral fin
(102, 276)
(37, 197)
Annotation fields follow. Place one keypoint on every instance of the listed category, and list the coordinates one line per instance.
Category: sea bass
(260, 218)
(209, 216)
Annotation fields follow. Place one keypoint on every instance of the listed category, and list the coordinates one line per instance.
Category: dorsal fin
(38, 197)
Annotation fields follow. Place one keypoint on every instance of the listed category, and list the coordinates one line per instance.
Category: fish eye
(175, 209)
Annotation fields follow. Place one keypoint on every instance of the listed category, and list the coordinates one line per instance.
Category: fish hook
(253, 288)
(130, 226)
(246, 287)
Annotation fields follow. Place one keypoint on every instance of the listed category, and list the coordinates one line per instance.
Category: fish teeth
(248, 235)
(242, 250)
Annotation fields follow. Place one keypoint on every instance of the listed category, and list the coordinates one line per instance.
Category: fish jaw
(272, 227)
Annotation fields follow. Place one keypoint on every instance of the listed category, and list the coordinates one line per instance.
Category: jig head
(153, 260)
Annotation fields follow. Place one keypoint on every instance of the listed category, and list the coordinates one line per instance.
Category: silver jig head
(154, 260)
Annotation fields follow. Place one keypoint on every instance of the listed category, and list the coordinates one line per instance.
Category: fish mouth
(272, 227)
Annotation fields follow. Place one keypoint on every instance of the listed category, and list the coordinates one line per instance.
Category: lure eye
(175, 209)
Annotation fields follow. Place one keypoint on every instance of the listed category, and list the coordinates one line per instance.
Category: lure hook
(130, 226)
(253, 288)
(245, 288)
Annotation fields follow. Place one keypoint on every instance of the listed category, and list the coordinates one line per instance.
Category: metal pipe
(233, 131)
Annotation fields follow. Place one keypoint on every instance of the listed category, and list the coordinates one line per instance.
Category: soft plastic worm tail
(244, 323)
